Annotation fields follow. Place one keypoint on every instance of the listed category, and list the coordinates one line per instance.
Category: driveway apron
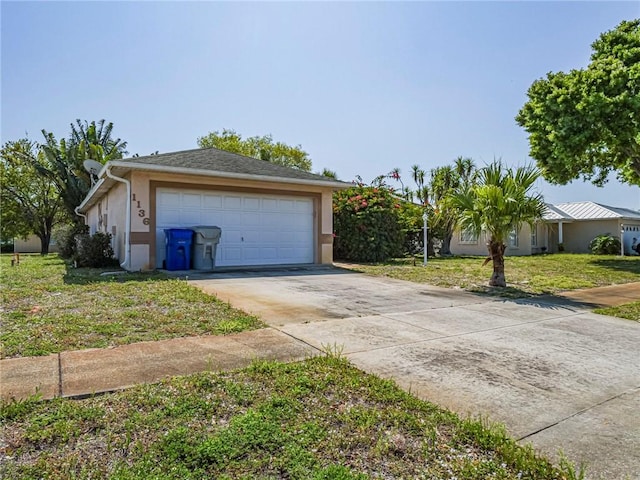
(558, 376)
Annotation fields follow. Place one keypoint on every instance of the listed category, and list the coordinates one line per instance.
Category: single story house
(269, 214)
(565, 226)
(573, 225)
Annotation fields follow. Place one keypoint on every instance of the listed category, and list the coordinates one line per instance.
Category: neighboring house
(519, 242)
(269, 214)
(575, 224)
(571, 226)
(32, 244)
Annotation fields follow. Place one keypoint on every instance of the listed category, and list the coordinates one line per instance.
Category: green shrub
(605, 245)
(94, 250)
(64, 236)
(367, 225)
(410, 217)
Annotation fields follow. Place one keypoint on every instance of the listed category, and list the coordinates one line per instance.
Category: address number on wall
(142, 213)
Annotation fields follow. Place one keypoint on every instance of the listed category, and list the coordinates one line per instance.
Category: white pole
(622, 239)
(424, 227)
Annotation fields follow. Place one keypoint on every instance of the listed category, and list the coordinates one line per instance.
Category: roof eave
(104, 183)
(334, 184)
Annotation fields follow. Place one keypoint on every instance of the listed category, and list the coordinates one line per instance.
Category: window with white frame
(513, 238)
(468, 236)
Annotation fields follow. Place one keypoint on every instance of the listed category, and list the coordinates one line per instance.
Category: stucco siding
(144, 186)
(541, 244)
(458, 247)
(140, 258)
(578, 235)
(116, 218)
(479, 247)
(108, 215)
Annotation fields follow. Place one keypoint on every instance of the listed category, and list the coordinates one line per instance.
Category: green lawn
(318, 419)
(630, 311)
(526, 275)
(49, 308)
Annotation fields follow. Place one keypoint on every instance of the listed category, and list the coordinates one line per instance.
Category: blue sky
(363, 87)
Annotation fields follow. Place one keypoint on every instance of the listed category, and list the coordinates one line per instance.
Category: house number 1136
(141, 212)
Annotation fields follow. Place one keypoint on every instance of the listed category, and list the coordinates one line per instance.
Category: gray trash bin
(205, 244)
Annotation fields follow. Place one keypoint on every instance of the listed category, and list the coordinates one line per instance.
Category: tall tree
(98, 142)
(444, 182)
(260, 147)
(30, 201)
(501, 200)
(329, 173)
(586, 123)
(422, 190)
(466, 170)
(65, 158)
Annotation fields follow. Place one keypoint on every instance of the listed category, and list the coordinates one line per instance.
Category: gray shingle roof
(216, 160)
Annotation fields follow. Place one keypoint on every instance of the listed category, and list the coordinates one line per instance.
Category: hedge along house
(566, 227)
(269, 214)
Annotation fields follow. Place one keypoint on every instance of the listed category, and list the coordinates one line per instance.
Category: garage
(257, 229)
(269, 214)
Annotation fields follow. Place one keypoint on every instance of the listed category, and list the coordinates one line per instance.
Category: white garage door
(256, 229)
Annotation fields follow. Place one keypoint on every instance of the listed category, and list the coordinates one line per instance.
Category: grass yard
(49, 307)
(317, 419)
(526, 275)
(630, 311)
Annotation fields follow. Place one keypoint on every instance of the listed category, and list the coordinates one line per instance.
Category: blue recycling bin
(178, 248)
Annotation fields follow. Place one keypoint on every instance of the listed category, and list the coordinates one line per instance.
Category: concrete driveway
(556, 375)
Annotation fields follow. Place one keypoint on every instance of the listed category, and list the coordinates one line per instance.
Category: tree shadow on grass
(626, 264)
(542, 300)
(87, 276)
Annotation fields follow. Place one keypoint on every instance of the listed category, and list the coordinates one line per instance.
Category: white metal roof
(588, 211)
(553, 213)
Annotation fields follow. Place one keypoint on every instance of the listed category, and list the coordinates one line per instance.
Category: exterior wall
(143, 210)
(542, 244)
(577, 235)
(458, 247)
(139, 258)
(326, 227)
(108, 216)
(576, 238)
(32, 245)
(479, 247)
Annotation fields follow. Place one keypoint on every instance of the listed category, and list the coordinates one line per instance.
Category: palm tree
(445, 181)
(98, 143)
(64, 159)
(500, 201)
(63, 166)
(422, 190)
(466, 170)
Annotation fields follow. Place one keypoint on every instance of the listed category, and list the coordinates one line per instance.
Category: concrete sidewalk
(609, 296)
(84, 372)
